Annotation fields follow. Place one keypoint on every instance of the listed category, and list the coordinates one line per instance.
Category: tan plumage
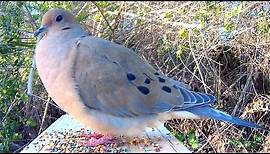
(83, 73)
(105, 86)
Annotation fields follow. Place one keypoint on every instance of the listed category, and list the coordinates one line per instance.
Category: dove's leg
(102, 140)
(92, 135)
(97, 139)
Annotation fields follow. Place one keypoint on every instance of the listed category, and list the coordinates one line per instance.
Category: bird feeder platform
(65, 134)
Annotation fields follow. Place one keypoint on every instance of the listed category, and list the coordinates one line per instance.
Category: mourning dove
(107, 87)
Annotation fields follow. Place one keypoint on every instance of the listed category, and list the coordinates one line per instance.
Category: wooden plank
(66, 123)
(176, 145)
(165, 146)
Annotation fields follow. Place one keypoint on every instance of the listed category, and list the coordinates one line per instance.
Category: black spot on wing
(167, 89)
(156, 73)
(105, 57)
(144, 90)
(161, 79)
(131, 77)
(147, 81)
(115, 63)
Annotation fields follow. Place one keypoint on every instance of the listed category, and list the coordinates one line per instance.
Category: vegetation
(220, 48)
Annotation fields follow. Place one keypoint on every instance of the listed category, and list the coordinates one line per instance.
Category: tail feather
(208, 111)
(192, 98)
(199, 104)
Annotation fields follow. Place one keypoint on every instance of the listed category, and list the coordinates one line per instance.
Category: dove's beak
(40, 31)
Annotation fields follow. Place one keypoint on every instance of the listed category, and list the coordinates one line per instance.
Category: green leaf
(168, 15)
(248, 144)
(180, 51)
(263, 26)
(258, 138)
(236, 11)
(24, 97)
(83, 16)
(17, 136)
(103, 4)
(183, 33)
(182, 11)
(229, 27)
(169, 128)
(192, 140)
(97, 17)
(30, 122)
(194, 144)
(234, 142)
(180, 136)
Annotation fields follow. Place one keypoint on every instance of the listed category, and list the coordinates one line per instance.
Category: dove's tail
(210, 112)
(197, 105)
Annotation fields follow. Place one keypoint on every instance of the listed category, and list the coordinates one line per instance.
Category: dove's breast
(54, 65)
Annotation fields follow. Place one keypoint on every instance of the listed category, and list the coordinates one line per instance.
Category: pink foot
(95, 139)
(92, 135)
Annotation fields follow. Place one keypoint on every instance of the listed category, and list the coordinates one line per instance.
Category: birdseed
(71, 141)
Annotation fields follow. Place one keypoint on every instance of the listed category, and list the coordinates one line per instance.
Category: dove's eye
(59, 18)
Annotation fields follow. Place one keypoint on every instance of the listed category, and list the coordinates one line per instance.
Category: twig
(30, 77)
(185, 25)
(241, 98)
(19, 149)
(116, 23)
(46, 101)
(196, 62)
(11, 107)
(192, 73)
(103, 15)
(82, 8)
(159, 11)
(207, 139)
(31, 18)
(173, 69)
(44, 115)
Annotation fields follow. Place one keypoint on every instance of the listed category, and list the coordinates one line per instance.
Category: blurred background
(221, 48)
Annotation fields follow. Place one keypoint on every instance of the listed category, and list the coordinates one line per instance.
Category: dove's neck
(69, 32)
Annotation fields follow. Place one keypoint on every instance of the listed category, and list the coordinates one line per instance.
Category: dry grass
(186, 41)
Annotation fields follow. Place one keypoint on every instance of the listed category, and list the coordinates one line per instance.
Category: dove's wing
(112, 79)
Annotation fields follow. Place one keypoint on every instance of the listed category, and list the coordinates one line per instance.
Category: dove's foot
(95, 139)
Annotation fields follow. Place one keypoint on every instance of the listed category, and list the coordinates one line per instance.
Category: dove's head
(55, 20)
